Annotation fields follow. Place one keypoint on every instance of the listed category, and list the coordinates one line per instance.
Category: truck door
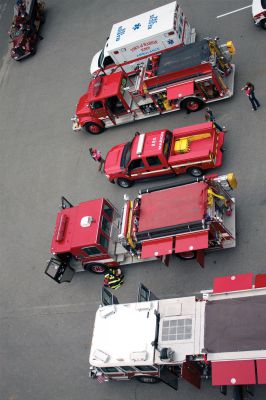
(116, 106)
(136, 168)
(169, 377)
(144, 294)
(107, 298)
(200, 257)
(154, 163)
(59, 271)
(98, 109)
(191, 373)
(65, 203)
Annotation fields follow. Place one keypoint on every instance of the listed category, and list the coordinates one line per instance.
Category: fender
(191, 96)
(83, 120)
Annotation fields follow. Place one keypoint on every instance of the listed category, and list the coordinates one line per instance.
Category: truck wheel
(93, 128)
(95, 268)
(263, 23)
(148, 379)
(187, 255)
(124, 183)
(192, 104)
(196, 172)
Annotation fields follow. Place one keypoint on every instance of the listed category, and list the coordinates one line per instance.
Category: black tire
(192, 104)
(33, 51)
(188, 255)
(263, 23)
(148, 379)
(93, 128)
(124, 183)
(95, 268)
(195, 171)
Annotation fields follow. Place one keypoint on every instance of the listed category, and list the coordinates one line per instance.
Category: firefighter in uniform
(113, 278)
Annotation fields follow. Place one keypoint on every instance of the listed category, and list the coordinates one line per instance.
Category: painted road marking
(232, 12)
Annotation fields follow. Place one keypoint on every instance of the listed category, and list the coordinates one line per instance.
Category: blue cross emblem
(170, 41)
(152, 20)
(136, 26)
(120, 32)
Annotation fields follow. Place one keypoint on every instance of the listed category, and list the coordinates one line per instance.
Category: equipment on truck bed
(183, 78)
(182, 218)
(219, 334)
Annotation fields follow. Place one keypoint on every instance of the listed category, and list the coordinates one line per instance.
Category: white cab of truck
(259, 12)
(134, 39)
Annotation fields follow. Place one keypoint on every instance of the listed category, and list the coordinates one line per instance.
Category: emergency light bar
(140, 144)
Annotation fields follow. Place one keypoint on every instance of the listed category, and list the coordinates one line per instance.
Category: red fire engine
(182, 78)
(25, 28)
(184, 219)
(191, 149)
(218, 334)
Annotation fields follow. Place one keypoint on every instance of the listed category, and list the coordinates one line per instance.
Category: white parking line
(232, 12)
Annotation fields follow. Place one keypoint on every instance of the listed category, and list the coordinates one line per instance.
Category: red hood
(82, 109)
(113, 159)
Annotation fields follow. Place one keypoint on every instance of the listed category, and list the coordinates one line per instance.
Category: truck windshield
(104, 61)
(125, 158)
(100, 60)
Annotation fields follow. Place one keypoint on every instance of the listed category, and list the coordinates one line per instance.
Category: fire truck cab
(190, 149)
(183, 219)
(218, 334)
(182, 78)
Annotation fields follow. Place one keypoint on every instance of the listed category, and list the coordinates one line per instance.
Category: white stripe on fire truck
(150, 172)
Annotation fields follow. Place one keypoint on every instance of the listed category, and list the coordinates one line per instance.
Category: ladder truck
(219, 334)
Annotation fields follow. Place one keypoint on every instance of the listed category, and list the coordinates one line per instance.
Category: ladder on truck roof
(170, 230)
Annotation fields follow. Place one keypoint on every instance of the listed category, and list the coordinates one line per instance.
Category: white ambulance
(136, 38)
(259, 12)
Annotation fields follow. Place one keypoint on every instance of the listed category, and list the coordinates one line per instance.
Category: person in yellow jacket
(113, 278)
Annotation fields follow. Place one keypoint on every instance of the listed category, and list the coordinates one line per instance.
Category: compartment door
(169, 377)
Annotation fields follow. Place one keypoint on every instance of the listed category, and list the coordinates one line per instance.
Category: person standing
(250, 92)
(211, 118)
(97, 156)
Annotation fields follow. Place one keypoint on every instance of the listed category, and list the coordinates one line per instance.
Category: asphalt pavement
(46, 328)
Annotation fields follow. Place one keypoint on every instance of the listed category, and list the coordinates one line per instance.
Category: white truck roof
(142, 26)
(123, 333)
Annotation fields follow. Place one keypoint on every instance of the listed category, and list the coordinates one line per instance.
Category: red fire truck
(219, 334)
(190, 149)
(182, 78)
(25, 28)
(184, 219)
